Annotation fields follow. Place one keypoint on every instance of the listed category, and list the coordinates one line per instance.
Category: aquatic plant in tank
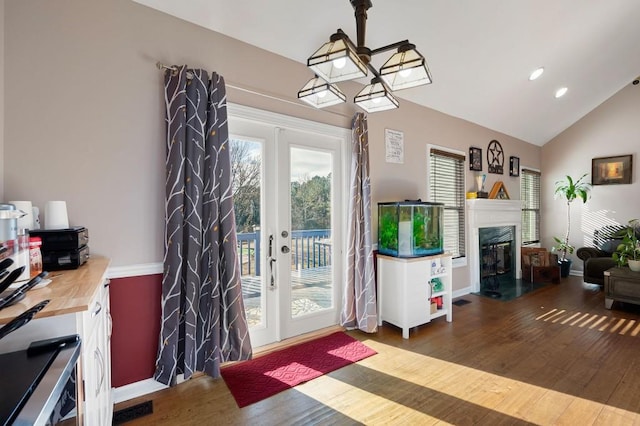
(410, 228)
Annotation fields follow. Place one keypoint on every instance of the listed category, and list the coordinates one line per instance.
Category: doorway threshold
(272, 347)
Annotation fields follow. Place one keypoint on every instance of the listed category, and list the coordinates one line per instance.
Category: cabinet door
(101, 390)
(97, 371)
(417, 293)
(106, 395)
(91, 371)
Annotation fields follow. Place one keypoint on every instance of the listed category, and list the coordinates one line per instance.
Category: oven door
(33, 382)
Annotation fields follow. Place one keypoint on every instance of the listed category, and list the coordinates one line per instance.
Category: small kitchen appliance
(63, 248)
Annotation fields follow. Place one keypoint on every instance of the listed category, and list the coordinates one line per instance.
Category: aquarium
(410, 228)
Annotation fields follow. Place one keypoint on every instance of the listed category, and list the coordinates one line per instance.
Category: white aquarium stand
(404, 290)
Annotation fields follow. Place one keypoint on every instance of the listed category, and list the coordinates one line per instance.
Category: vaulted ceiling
(480, 53)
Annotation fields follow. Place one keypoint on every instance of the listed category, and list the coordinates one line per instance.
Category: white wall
(611, 129)
(86, 122)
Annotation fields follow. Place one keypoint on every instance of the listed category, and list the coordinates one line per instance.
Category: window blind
(446, 183)
(530, 195)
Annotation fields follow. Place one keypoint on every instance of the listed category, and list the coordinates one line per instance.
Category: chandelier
(340, 59)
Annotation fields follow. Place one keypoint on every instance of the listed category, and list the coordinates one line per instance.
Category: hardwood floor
(553, 357)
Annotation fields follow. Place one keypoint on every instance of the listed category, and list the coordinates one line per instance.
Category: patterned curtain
(359, 308)
(203, 318)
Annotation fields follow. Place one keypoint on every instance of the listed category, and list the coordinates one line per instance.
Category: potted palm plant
(569, 189)
(628, 251)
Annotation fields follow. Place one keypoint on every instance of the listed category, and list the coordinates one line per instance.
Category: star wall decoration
(495, 157)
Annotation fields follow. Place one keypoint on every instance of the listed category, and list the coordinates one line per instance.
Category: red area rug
(262, 377)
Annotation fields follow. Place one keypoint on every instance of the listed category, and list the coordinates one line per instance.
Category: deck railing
(248, 252)
(310, 248)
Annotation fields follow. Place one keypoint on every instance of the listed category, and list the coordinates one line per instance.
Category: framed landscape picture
(611, 170)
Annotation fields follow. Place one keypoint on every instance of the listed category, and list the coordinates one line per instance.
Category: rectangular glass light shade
(404, 70)
(336, 61)
(374, 98)
(319, 94)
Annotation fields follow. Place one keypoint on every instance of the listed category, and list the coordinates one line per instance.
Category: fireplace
(497, 267)
(499, 223)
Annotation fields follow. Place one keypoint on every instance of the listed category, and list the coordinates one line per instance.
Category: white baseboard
(137, 389)
(141, 388)
(462, 292)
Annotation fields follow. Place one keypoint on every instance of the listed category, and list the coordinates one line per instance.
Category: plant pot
(634, 265)
(565, 267)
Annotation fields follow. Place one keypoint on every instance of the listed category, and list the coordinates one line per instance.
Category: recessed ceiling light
(537, 73)
(560, 92)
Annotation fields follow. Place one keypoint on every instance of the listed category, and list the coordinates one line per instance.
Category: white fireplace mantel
(488, 213)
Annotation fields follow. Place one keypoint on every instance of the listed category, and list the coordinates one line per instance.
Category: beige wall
(2, 100)
(422, 126)
(86, 122)
(611, 129)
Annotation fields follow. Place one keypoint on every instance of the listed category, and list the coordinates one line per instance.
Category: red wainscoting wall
(135, 310)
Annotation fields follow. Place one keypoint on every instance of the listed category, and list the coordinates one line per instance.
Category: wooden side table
(621, 284)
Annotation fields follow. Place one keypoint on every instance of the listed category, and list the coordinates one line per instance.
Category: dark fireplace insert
(497, 259)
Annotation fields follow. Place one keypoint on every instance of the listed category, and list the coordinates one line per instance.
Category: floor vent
(460, 302)
(133, 412)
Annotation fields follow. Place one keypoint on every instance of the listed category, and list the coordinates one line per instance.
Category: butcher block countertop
(70, 291)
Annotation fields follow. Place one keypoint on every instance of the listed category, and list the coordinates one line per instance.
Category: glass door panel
(311, 245)
(308, 223)
(246, 164)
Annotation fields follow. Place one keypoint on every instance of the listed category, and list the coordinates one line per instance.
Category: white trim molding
(286, 121)
(134, 270)
(137, 389)
(461, 292)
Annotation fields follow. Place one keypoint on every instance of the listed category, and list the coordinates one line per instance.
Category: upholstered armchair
(595, 262)
(598, 259)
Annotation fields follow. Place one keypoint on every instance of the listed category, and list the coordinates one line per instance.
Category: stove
(33, 381)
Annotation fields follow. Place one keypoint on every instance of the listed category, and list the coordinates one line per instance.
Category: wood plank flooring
(552, 357)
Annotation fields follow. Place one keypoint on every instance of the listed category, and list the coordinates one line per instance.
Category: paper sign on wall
(394, 146)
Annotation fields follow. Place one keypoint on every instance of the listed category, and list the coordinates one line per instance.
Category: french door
(288, 180)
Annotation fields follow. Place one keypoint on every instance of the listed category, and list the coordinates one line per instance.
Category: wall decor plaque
(495, 157)
(475, 159)
(514, 166)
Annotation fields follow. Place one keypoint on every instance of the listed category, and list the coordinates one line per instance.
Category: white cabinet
(96, 361)
(406, 290)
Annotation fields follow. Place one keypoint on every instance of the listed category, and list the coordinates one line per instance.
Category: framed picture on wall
(514, 166)
(475, 159)
(611, 170)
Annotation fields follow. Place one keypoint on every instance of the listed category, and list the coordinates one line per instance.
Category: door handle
(97, 309)
(271, 260)
(284, 249)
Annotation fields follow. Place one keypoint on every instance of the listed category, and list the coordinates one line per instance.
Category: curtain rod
(174, 70)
